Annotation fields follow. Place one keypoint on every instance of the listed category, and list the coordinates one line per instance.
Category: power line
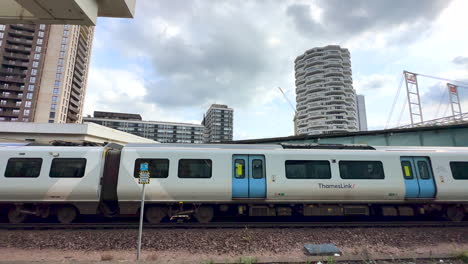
(401, 113)
(463, 84)
(394, 102)
(440, 103)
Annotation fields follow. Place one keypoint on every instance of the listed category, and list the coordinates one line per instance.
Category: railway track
(133, 225)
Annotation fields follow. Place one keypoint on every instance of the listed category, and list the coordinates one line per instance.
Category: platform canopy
(78, 12)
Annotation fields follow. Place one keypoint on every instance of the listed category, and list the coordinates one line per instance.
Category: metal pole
(140, 232)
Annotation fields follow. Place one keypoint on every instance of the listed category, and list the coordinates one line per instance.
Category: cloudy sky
(177, 57)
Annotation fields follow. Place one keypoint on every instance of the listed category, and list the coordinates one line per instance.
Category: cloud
(460, 60)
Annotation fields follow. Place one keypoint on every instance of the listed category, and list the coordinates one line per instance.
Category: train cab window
(67, 168)
(257, 169)
(359, 170)
(23, 168)
(423, 170)
(158, 168)
(308, 169)
(407, 171)
(459, 170)
(195, 168)
(240, 168)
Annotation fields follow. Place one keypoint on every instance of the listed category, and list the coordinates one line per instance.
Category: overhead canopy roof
(79, 12)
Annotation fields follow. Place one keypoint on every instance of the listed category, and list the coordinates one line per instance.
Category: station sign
(144, 175)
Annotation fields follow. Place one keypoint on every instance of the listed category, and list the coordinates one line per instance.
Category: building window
(35, 64)
(2, 27)
(39, 41)
(58, 76)
(62, 53)
(25, 119)
(56, 91)
(308, 169)
(52, 115)
(66, 26)
(23, 168)
(59, 68)
(32, 79)
(65, 33)
(51, 121)
(54, 99)
(64, 41)
(26, 112)
(29, 95)
(31, 87)
(42, 26)
(53, 106)
(57, 83)
(372, 170)
(60, 61)
(33, 71)
(195, 168)
(38, 48)
(27, 104)
(158, 168)
(41, 34)
(37, 56)
(63, 47)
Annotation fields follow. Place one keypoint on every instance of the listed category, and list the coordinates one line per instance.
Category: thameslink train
(204, 181)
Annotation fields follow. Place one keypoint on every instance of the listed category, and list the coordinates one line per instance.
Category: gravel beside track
(221, 241)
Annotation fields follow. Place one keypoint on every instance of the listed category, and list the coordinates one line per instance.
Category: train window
(195, 168)
(240, 168)
(308, 169)
(371, 170)
(257, 169)
(23, 168)
(423, 170)
(158, 168)
(459, 170)
(67, 168)
(407, 171)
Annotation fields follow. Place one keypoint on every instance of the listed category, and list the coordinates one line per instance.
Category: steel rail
(132, 225)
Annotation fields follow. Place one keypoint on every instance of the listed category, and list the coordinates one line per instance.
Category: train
(203, 181)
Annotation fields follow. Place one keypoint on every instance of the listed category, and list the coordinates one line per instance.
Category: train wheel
(66, 214)
(155, 214)
(15, 216)
(455, 214)
(204, 214)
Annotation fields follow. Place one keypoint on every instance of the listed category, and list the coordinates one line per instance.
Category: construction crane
(287, 99)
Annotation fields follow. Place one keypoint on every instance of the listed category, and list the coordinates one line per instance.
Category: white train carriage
(269, 180)
(44, 180)
(252, 180)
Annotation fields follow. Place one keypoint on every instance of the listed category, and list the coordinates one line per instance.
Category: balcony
(8, 114)
(13, 71)
(16, 48)
(28, 27)
(19, 40)
(15, 56)
(12, 79)
(72, 117)
(73, 110)
(11, 88)
(22, 33)
(10, 105)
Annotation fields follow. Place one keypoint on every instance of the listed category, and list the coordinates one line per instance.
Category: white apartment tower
(325, 98)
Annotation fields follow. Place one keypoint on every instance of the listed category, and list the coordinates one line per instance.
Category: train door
(419, 180)
(248, 176)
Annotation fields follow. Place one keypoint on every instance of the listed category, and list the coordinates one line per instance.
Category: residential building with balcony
(163, 132)
(325, 98)
(218, 122)
(43, 72)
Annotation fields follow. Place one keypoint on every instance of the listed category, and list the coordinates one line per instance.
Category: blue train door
(248, 176)
(240, 176)
(419, 180)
